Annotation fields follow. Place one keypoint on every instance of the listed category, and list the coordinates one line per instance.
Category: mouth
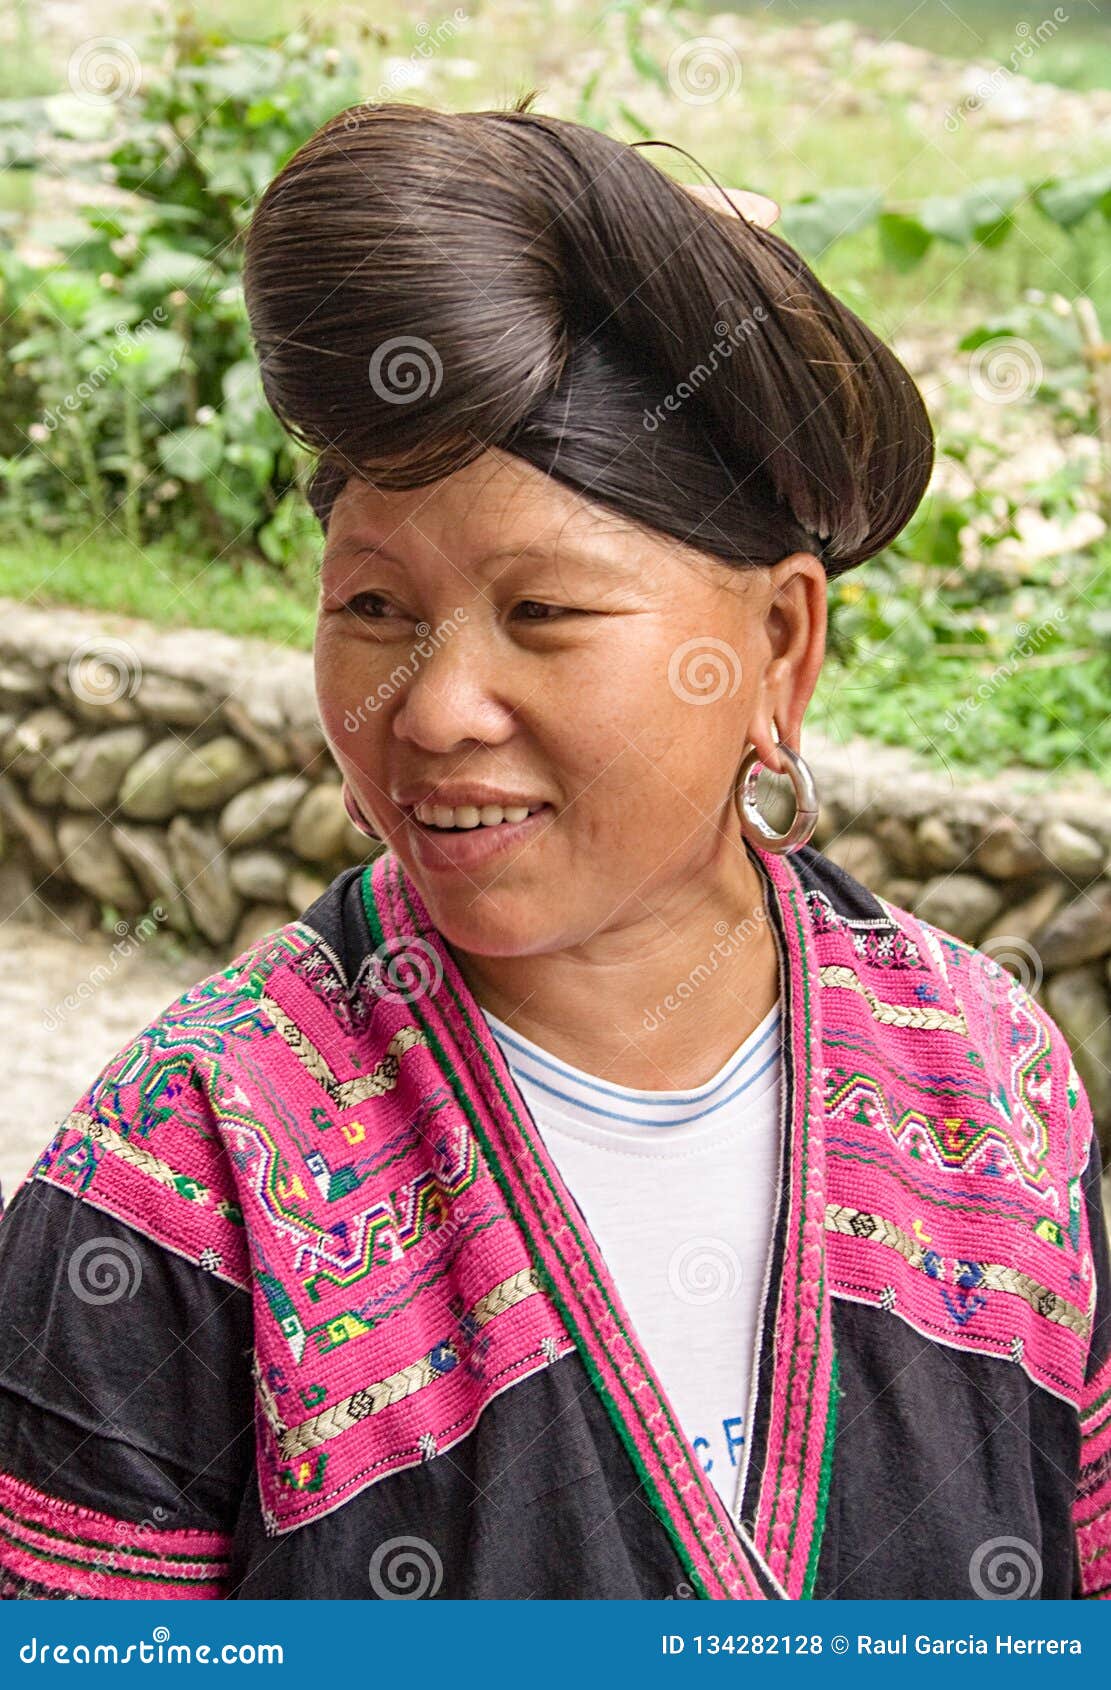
(468, 846)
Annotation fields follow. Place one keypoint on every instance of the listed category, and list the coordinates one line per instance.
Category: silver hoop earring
(753, 825)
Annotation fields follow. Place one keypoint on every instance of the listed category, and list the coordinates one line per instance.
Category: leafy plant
(145, 403)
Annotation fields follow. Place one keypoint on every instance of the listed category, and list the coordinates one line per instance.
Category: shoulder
(925, 979)
(961, 1092)
(158, 1136)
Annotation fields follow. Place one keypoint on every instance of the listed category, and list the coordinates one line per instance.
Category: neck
(660, 1003)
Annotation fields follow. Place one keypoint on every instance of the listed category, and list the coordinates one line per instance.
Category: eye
(559, 610)
(358, 604)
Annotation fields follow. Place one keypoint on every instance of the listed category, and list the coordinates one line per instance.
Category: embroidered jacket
(298, 1305)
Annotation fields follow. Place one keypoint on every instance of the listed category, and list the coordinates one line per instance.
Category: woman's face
(497, 632)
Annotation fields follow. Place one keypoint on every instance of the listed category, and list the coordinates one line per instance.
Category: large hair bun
(424, 285)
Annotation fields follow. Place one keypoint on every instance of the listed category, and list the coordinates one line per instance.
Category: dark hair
(425, 285)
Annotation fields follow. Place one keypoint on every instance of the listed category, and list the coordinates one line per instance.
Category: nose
(456, 690)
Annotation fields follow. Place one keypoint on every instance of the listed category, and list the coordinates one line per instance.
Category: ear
(755, 208)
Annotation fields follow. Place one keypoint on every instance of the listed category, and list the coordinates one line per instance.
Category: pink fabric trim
(87, 1553)
(1093, 1499)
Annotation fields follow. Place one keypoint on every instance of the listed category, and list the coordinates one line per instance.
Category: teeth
(469, 815)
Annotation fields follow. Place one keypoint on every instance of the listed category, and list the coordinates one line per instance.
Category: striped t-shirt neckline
(590, 1100)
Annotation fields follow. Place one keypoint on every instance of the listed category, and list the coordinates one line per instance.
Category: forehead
(484, 519)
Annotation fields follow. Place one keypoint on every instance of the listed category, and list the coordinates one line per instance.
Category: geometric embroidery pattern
(370, 1399)
(971, 1280)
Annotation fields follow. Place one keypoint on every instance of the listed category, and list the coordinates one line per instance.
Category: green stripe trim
(804, 1114)
(824, 1481)
(95, 1543)
(56, 1560)
(731, 1546)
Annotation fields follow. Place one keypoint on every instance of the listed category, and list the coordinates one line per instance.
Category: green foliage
(983, 216)
(938, 645)
(136, 400)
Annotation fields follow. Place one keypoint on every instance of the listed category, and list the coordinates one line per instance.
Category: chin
(486, 923)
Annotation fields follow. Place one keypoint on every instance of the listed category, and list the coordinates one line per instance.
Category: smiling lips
(473, 815)
(474, 836)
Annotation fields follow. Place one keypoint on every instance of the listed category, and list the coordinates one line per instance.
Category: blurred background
(946, 170)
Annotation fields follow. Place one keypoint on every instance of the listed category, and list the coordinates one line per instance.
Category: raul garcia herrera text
(923, 1643)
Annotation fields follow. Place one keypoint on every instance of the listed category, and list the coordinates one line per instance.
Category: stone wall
(183, 776)
(180, 776)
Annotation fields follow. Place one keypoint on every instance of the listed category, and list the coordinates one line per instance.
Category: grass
(241, 597)
(1005, 700)
(775, 137)
(1078, 55)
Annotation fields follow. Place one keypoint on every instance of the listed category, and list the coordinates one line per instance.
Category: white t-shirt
(678, 1188)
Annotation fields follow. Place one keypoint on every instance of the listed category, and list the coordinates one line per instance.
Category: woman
(599, 1193)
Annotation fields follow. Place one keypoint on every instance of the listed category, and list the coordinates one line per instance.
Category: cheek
(652, 747)
(344, 696)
